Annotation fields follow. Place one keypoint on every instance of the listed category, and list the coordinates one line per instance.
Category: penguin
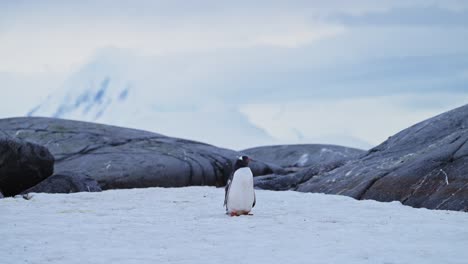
(239, 196)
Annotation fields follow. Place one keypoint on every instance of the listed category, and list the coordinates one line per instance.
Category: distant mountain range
(122, 89)
(206, 97)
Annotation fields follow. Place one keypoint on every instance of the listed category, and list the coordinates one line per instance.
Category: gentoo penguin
(239, 195)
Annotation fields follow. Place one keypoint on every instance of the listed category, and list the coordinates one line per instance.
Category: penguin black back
(241, 162)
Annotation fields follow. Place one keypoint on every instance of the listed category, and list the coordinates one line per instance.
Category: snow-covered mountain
(188, 225)
(235, 99)
(151, 93)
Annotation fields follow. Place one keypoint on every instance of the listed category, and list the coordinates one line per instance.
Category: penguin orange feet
(238, 213)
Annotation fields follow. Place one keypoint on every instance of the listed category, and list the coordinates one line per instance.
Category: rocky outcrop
(313, 158)
(22, 164)
(301, 156)
(127, 158)
(65, 182)
(425, 165)
(290, 181)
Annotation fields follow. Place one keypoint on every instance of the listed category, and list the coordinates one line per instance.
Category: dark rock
(290, 181)
(301, 156)
(67, 182)
(22, 165)
(127, 158)
(1, 195)
(425, 165)
(313, 158)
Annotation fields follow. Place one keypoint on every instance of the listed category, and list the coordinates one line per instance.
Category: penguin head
(242, 161)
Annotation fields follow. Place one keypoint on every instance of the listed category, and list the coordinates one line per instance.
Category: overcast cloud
(257, 57)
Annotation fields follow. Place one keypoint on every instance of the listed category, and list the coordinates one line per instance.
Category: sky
(342, 72)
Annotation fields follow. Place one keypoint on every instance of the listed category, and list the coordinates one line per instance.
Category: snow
(188, 225)
(303, 160)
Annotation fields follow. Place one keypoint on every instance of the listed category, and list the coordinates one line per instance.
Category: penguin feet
(238, 213)
(233, 214)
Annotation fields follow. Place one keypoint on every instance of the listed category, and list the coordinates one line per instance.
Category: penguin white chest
(241, 193)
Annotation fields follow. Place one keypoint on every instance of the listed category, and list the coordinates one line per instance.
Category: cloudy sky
(343, 72)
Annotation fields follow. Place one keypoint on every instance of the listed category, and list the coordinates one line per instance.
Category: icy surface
(188, 225)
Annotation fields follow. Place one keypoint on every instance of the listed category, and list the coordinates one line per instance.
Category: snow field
(188, 225)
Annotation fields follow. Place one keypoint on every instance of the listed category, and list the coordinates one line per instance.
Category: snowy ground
(188, 225)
